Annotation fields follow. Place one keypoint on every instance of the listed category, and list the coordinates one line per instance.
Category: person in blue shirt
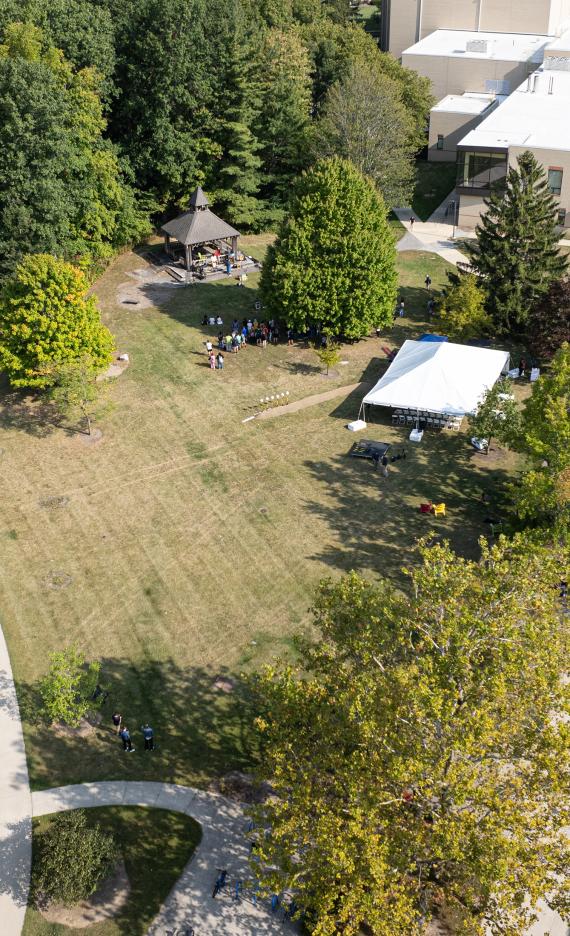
(125, 736)
(148, 735)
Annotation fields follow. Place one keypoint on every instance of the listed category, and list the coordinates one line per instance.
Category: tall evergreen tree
(283, 122)
(333, 264)
(237, 175)
(516, 249)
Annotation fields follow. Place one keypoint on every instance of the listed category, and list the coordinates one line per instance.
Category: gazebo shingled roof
(198, 225)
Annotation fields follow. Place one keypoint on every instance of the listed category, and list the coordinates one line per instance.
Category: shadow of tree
(364, 509)
(15, 863)
(26, 412)
(202, 720)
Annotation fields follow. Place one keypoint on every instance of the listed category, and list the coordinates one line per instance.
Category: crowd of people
(249, 331)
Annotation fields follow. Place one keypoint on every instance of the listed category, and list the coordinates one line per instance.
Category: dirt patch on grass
(85, 729)
(106, 902)
(147, 288)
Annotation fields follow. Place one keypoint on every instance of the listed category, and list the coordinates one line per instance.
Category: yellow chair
(439, 509)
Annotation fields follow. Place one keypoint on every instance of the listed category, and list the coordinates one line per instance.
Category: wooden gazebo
(199, 226)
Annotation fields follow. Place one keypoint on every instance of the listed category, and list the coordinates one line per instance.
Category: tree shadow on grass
(222, 297)
(376, 520)
(26, 412)
(202, 719)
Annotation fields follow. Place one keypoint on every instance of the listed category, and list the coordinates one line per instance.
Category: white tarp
(438, 376)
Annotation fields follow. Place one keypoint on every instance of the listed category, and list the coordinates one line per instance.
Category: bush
(68, 688)
(71, 859)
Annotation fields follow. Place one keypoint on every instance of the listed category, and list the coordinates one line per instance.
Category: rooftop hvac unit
(477, 45)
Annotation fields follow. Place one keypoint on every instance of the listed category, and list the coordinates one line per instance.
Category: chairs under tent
(425, 419)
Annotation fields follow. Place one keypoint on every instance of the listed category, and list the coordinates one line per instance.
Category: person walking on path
(126, 739)
(412, 219)
(427, 281)
(148, 735)
(117, 721)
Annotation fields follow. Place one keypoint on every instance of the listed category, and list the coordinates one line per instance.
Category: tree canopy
(461, 309)
(46, 320)
(364, 119)
(516, 249)
(417, 765)
(542, 495)
(333, 264)
(62, 189)
(549, 321)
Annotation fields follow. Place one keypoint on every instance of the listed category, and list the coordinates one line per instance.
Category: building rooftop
(504, 47)
(468, 103)
(534, 115)
(561, 44)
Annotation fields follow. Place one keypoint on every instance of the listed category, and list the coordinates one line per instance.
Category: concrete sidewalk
(15, 807)
(224, 845)
(433, 236)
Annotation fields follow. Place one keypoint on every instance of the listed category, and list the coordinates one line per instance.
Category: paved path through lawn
(15, 807)
(433, 236)
(224, 845)
(310, 401)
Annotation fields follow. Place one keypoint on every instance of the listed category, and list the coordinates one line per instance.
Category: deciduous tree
(516, 248)
(47, 320)
(461, 310)
(542, 494)
(333, 264)
(418, 765)
(549, 320)
(68, 687)
(497, 416)
(76, 393)
(365, 120)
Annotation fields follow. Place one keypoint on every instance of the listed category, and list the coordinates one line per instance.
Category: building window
(480, 170)
(562, 217)
(555, 180)
(440, 141)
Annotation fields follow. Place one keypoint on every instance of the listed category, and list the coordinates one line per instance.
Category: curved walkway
(15, 806)
(224, 845)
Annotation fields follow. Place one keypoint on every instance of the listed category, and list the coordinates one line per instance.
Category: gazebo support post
(188, 253)
(234, 247)
(167, 244)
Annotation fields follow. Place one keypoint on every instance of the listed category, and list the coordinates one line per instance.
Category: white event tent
(439, 377)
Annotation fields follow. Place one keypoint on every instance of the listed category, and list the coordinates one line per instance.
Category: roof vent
(477, 45)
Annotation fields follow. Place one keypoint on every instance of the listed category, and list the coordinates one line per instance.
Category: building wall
(453, 127)
(471, 207)
(411, 20)
(403, 25)
(453, 75)
(554, 159)
(517, 16)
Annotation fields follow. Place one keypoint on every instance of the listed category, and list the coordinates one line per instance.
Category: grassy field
(186, 544)
(155, 845)
(435, 180)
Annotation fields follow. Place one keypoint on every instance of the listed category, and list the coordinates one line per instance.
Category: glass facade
(480, 170)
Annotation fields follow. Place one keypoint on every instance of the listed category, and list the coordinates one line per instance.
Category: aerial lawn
(435, 180)
(155, 845)
(184, 547)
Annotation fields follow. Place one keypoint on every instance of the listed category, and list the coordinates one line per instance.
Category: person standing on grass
(427, 281)
(126, 739)
(117, 721)
(209, 347)
(212, 361)
(148, 735)
(401, 309)
(384, 466)
(220, 361)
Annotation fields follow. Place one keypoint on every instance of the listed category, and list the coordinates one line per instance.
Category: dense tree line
(111, 112)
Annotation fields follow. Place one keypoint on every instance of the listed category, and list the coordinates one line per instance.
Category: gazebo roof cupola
(198, 200)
